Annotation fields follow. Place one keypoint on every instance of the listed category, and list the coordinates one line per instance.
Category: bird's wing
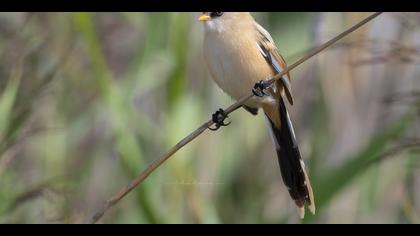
(269, 51)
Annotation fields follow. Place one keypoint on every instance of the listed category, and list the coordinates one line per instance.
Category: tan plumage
(239, 53)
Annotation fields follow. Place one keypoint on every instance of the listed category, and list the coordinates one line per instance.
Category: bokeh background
(88, 100)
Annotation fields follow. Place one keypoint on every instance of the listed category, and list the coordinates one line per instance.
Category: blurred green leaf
(7, 99)
(84, 23)
(178, 36)
(334, 180)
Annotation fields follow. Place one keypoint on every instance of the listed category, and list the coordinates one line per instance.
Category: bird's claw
(218, 119)
(259, 88)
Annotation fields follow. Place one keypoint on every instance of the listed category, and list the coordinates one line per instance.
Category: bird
(241, 57)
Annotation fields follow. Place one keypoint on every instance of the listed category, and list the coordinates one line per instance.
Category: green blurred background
(88, 100)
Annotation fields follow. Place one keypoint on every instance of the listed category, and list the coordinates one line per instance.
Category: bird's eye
(216, 14)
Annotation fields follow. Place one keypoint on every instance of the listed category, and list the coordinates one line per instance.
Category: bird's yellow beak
(204, 18)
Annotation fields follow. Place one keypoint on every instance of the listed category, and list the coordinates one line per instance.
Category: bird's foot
(218, 119)
(260, 88)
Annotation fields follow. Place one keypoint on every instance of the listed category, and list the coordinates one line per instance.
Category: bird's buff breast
(236, 67)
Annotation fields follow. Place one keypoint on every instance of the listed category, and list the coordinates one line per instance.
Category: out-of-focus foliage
(88, 100)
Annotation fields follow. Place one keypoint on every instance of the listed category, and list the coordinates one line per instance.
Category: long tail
(291, 164)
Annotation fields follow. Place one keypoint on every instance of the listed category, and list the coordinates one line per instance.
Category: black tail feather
(291, 164)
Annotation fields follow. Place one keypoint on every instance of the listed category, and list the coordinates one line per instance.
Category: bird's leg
(218, 119)
(260, 87)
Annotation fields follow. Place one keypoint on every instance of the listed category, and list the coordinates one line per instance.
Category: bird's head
(222, 21)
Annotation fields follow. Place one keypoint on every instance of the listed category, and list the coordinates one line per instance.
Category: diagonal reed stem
(158, 162)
